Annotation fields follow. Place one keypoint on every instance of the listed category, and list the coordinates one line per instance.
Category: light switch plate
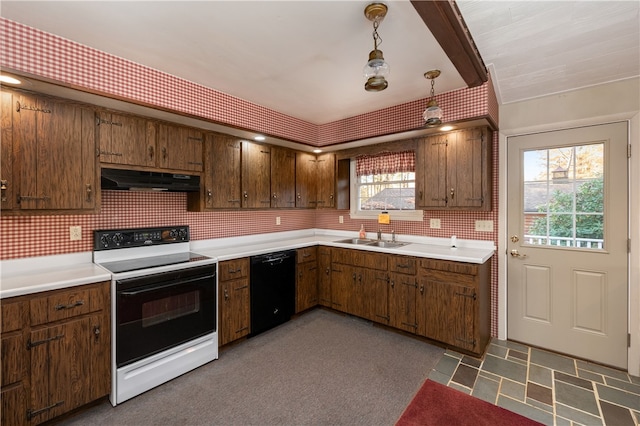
(434, 223)
(277, 220)
(75, 233)
(340, 219)
(484, 225)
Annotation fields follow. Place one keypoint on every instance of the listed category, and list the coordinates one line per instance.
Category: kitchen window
(384, 182)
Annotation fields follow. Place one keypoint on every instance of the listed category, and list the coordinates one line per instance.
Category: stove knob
(173, 234)
(182, 233)
(104, 240)
(117, 238)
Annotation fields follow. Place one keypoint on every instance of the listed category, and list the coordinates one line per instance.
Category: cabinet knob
(89, 191)
(164, 153)
(3, 184)
(452, 193)
(96, 330)
(226, 294)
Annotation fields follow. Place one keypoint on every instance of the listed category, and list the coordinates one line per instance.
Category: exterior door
(567, 241)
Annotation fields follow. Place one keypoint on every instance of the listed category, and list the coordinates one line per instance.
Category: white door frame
(633, 355)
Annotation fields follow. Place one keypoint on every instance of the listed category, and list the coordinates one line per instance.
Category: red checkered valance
(388, 162)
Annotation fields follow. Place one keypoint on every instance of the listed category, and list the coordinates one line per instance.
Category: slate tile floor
(544, 386)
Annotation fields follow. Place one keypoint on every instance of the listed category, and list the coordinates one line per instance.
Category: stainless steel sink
(356, 241)
(387, 244)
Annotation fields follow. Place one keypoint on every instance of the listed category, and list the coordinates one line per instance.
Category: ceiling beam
(445, 22)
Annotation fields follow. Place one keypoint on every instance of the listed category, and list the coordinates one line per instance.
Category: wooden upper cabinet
(256, 175)
(283, 177)
(221, 179)
(306, 180)
(454, 170)
(179, 148)
(7, 183)
(326, 177)
(56, 162)
(125, 139)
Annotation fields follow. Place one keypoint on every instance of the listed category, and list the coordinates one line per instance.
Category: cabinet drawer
(402, 264)
(449, 266)
(60, 305)
(308, 254)
(360, 258)
(12, 315)
(450, 278)
(233, 269)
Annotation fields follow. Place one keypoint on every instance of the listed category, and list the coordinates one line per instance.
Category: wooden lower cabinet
(306, 278)
(453, 303)
(234, 302)
(324, 276)
(59, 358)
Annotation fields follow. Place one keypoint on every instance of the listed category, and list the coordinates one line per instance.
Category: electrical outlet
(75, 233)
(340, 219)
(484, 225)
(277, 220)
(434, 223)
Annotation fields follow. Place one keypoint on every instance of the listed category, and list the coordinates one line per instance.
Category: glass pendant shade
(433, 114)
(376, 71)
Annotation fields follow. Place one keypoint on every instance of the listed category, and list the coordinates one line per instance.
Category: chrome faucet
(393, 236)
(379, 235)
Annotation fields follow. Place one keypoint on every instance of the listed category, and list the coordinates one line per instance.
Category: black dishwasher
(273, 281)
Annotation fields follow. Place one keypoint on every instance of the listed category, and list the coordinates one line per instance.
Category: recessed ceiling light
(9, 79)
(259, 138)
(317, 151)
(446, 128)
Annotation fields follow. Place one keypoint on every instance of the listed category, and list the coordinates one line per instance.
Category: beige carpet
(321, 368)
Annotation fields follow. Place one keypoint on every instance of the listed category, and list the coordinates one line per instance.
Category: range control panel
(141, 237)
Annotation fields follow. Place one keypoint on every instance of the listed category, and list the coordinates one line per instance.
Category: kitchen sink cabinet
(125, 139)
(54, 157)
(56, 352)
(306, 180)
(402, 293)
(256, 175)
(306, 278)
(326, 178)
(221, 179)
(234, 302)
(453, 170)
(324, 276)
(179, 148)
(283, 177)
(453, 303)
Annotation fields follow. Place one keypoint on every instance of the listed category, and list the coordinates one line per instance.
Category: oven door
(160, 311)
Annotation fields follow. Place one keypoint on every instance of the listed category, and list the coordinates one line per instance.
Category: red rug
(439, 405)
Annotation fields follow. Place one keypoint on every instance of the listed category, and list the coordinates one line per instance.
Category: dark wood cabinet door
(402, 302)
(60, 369)
(125, 139)
(306, 180)
(377, 296)
(7, 182)
(234, 303)
(13, 403)
(100, 341)
(306, 285)
(283, 177)
(431, 175)
(324, 276)
(56, 159)
(451, 312)
(179, 148)
(467, 169)
(256, 175)
(326, 178)
(342, 281)
(222, 172)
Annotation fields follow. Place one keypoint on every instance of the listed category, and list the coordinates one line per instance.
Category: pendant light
(433, 114)
(376, 68)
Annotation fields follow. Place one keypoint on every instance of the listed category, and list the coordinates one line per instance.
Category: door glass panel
(564, 196)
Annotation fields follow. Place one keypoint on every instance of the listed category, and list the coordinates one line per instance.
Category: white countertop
(36, 274)
(32, 275)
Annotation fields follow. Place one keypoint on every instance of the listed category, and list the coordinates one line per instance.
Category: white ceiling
(305, 58)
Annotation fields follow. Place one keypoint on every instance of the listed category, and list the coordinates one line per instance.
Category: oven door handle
(152, 287)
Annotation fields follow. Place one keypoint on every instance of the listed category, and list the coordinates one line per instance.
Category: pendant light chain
(377, 40)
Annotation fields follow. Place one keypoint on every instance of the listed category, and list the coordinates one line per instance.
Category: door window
(564, 197)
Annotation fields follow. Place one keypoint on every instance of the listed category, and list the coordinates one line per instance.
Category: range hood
(136, 180)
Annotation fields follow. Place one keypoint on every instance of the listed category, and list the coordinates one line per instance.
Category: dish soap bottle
(362, 233)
